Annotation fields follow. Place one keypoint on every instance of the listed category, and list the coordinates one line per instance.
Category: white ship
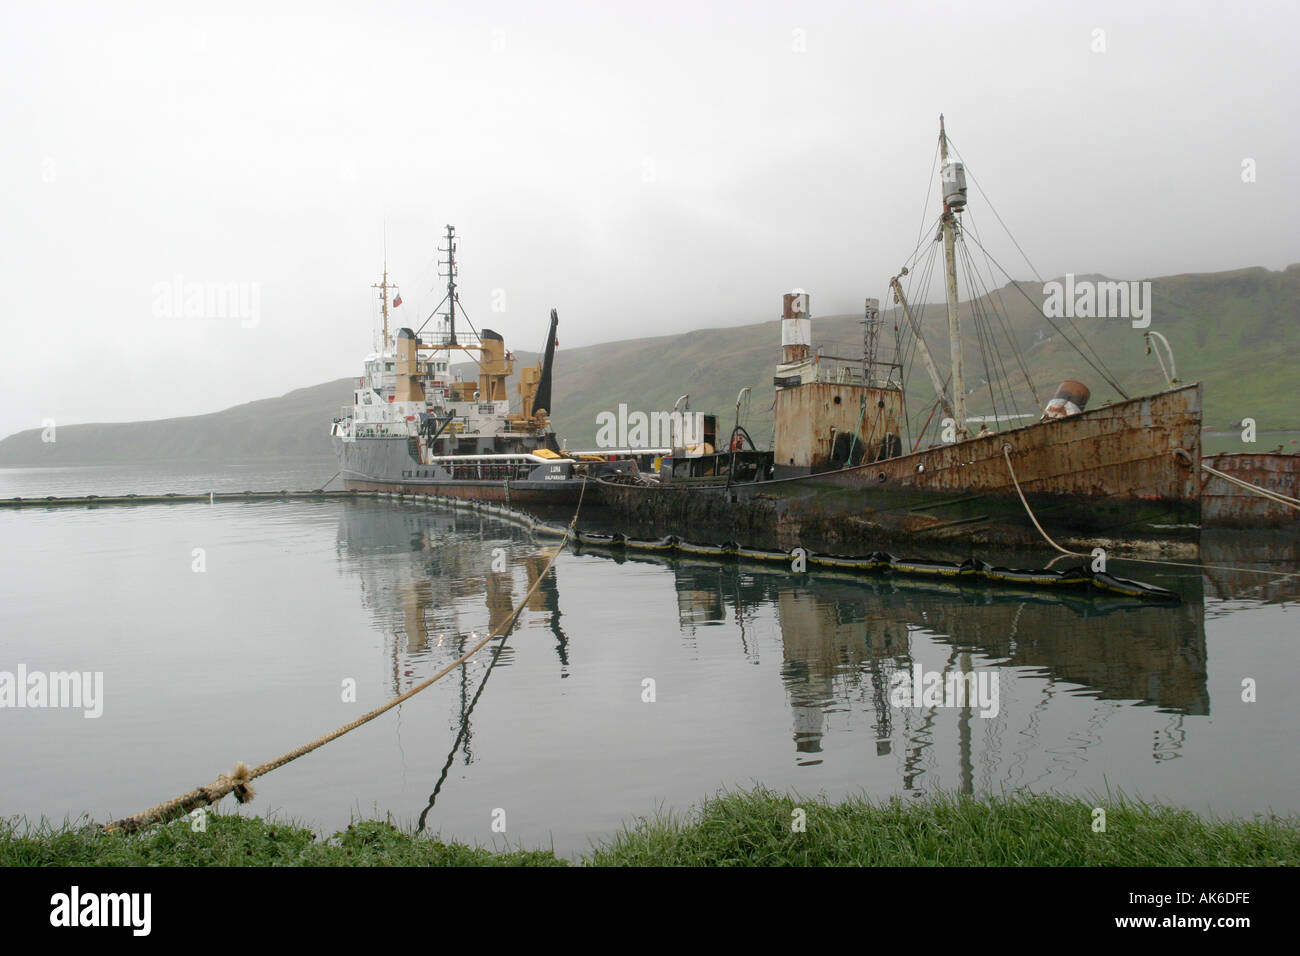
(416, 426)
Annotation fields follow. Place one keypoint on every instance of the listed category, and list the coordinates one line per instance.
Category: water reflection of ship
(416, 599)
(842, 640)
(419, 603)
(1246, 566)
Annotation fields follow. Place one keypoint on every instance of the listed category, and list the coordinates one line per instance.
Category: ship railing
(841, 370)
(378, 430)
(442, 340)
(490, 471)
(838, 370)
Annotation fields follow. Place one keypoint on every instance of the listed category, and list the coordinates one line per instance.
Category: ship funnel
(494, 367)
(796, 327)
(409, 388)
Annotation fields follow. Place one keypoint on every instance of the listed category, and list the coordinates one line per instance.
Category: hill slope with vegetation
(1236, 332)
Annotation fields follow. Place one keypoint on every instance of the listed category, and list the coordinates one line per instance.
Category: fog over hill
(1236, 332)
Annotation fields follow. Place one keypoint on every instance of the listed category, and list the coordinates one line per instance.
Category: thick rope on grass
(239, 782)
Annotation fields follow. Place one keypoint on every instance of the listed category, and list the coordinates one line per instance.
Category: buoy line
(971, 571)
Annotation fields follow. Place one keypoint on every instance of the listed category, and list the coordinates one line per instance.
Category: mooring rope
(1006, 453)
(240, 781)
(1255, 489)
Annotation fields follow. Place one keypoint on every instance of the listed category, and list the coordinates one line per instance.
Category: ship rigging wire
(1103, 371)
(1099, 369)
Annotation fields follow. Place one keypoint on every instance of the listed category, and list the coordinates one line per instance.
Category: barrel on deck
(1070, 399)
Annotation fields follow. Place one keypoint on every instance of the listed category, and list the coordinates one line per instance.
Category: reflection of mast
(500, 615)
(1174, 736)
(918, 741)
(462, 737)
(546, 599)
(964, 734)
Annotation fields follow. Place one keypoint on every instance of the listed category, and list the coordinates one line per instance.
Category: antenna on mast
(450, 274)
(383, 292)
(870, 338)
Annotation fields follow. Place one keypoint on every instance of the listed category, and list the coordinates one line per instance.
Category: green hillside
(1236, 332)
(293, 425)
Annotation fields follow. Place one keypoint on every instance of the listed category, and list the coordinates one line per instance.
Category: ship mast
(383, 298)
(921, 349)
(954, 198)
(450, 274)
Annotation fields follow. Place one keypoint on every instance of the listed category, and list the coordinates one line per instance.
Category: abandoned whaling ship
(841, 469)
(1251, 490)
(416, 427)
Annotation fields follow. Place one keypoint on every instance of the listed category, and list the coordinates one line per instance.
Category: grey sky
(644, 168)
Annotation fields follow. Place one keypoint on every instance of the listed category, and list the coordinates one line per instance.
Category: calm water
(759, 676)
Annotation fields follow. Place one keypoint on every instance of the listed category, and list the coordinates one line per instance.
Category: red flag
(398, 300)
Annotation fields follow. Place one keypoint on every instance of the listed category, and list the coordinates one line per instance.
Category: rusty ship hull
(1124, 471)
(1225, 505)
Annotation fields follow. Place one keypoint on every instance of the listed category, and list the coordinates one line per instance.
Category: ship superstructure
(844, 464)
(417, 425)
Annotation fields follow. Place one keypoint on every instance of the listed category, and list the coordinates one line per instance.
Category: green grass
(232, 840)
(754, 828)
(745, 828)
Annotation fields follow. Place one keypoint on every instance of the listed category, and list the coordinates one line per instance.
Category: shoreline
(755, 827)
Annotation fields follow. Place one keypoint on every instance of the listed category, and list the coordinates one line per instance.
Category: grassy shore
(748, 828)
